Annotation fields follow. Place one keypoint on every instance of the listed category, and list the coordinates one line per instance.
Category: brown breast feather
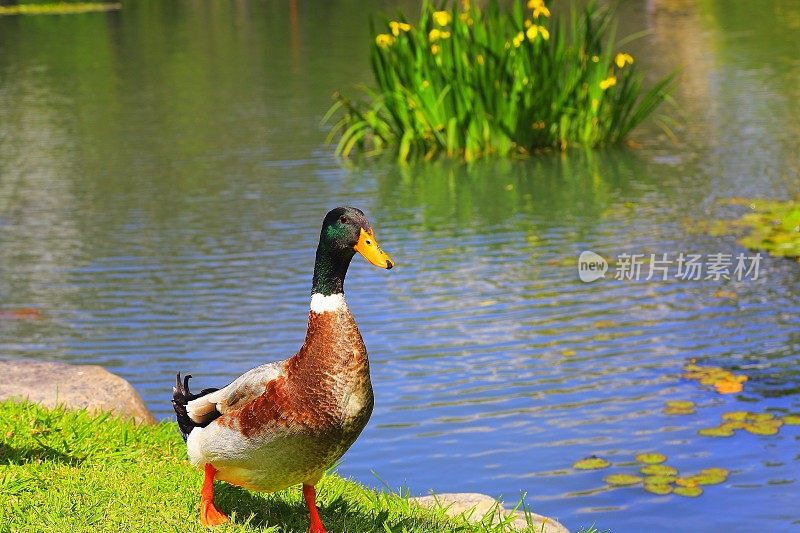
(331, 362)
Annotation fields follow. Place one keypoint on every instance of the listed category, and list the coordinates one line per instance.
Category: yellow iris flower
(442, 18)
(435, 49)
(608, 82)
(397, 27)
(436, 34)
(623, 59)
(518, 39)
(534, 31)
(538, 8)
(384, 40)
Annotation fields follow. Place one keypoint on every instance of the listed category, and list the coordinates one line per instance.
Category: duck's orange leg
(310, 494)
(209, 515)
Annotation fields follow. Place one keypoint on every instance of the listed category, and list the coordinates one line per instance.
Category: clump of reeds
(470, 82)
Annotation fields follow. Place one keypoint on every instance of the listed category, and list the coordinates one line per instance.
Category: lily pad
(769, 225)
(660, 479)
(715, 432)
(691, 492)
(622, 480)
(711, 476)
(733, 424)
(591, 463)
(658, 488)
(680, 404)
(659, 470)
(726, 386)
(679, 407)
(724, 381)
(686, 482)
(760, 428)
(672, 411)
(737, 416)
(651, 458)
(791, 420)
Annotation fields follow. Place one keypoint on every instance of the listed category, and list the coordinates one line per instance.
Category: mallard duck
(284, 423)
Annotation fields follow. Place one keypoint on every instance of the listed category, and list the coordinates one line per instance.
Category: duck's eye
(343, 219)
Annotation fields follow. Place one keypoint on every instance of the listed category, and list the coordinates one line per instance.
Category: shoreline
(86, 394)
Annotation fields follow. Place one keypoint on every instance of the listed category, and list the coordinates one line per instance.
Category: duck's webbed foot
(209, 514)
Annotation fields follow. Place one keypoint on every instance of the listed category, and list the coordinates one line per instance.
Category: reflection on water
(162, 181)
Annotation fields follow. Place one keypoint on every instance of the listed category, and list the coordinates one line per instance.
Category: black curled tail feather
(181, 396)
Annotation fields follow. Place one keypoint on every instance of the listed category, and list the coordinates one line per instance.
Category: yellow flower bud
(442, 18)
(397, 27)
(622, 59)
(608, 82)
(538, 8)
(383, 40)
(534, 31)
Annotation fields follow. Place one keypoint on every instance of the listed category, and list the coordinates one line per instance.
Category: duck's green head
(345, 231)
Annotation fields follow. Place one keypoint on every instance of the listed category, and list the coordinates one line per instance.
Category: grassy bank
(69, 471)
(60, 8)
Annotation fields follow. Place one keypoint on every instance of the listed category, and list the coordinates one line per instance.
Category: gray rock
(473, 506)
(89, 387)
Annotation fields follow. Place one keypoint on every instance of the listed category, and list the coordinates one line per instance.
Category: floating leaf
(761, 428)
(733, 424)
(591, 463)
(651, 458)
(715, 432)
(736, 415)
(728, 387)
(724, 381)
(710, 476)
(621, 480)
(686, 482)
(658, 470)
(658, 488)
(679, 407)
(761, 417)
(725, 294)
(691, 492)
(772, 227)
(669, 411)
(660, 479)
(791, 420)
(680, 404)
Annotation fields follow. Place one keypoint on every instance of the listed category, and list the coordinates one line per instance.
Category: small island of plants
(470, 82)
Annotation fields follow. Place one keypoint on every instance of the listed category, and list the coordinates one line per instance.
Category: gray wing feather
(243, 389)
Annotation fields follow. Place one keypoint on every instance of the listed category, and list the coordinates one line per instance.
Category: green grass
(469, 83)
(70, 471)
(60, 8)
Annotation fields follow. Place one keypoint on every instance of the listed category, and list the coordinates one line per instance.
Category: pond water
(163, 175)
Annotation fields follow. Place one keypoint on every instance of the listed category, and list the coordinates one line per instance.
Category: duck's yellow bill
(371, 250)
